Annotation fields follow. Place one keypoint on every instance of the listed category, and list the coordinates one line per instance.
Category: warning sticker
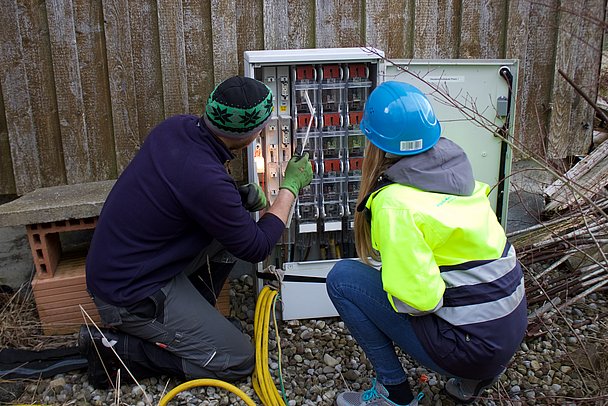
(446, 78)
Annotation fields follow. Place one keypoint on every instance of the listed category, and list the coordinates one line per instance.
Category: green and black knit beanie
(238, 107)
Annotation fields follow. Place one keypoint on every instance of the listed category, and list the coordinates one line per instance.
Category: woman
(450, 291)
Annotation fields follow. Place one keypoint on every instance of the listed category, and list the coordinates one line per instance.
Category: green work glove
(297, 174)
(253, 197)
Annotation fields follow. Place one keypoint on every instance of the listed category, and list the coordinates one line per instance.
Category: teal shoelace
(371, 393)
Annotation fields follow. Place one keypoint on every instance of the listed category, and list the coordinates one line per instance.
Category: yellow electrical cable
(258, 384)
(262, 380)
(278, 339)
(205, 382)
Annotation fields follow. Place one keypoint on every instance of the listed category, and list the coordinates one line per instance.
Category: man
(167, 238)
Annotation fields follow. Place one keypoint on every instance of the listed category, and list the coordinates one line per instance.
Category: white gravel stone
(320, 359)
(330, 361)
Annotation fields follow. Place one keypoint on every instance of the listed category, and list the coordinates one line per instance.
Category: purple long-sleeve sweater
(170, 202)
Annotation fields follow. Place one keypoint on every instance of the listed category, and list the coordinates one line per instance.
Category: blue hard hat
(399, 119)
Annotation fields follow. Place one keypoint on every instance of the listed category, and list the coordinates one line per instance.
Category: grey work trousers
(181, 320)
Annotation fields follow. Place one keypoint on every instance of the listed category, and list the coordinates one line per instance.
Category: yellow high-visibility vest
(416, 232)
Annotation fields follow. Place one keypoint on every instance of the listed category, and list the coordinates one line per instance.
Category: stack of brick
(59, 283)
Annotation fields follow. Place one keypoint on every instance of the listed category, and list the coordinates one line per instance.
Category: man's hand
(253, 197)
(297, 174)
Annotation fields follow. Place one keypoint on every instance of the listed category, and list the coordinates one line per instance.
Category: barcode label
(410, 145)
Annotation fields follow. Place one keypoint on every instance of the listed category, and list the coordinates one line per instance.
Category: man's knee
(230, 366)
(243, 367)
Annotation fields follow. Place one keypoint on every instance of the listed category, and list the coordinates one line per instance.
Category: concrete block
(56, 203)
(16, 263)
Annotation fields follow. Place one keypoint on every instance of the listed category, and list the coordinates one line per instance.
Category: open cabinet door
(474, 101)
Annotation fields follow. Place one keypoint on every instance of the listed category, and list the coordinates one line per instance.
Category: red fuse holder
(357, 71)
(331, 72)
(331, 120)
(306, 72)
(355, 164)
(331, 165)
(303, 121)
(354, 117)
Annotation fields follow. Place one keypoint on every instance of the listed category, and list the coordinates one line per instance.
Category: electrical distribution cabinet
(322, 93)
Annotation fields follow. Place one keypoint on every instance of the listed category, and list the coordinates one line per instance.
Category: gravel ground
(568, 365)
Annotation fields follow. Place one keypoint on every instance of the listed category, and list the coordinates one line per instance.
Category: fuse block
(318, 109)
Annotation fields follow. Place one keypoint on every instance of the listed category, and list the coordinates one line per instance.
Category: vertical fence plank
(276, 24)
(18, 108)
(70, 104)
(90, 45)
(339, 24)
(482, 29)
(199, 53)
(146, 66)
(301, 23)
(250, 28)
(223, 27)
(7, 179)
(122, 81)
(532, 29)
(225, 57)
(437, 28)
(390, 26)
(579, 43)
(37, 55)
(173, 56)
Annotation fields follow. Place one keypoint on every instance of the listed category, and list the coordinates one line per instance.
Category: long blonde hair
(374, 164)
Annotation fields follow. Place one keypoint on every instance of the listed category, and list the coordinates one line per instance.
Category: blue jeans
(356, 291)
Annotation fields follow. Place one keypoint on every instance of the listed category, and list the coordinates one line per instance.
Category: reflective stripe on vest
(479, 313)
(477, 273)
(488, 272)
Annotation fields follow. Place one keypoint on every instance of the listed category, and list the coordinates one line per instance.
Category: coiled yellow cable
(262, 380)
(205, 382)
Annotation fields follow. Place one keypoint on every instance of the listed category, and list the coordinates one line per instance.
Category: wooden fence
(82, 82)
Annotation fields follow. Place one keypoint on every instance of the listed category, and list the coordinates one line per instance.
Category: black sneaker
(467, 391)
(92, 345)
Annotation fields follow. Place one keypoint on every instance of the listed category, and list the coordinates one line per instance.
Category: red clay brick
(45, 242)
(58, 298)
